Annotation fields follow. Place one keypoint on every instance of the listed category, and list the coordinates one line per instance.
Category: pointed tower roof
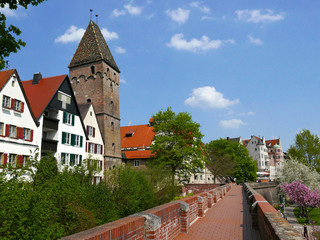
(93, 47)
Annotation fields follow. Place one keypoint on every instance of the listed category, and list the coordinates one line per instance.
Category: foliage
(54, 204)
(303, 196)
(180, 197)
(293, 170)
(314, 216)
(219, 158)
(306, 149)
(8, 41)
(236, 156)
(177, 144)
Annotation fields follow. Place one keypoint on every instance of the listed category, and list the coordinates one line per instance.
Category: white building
(94, 146)
(61, 129)
(18, 129)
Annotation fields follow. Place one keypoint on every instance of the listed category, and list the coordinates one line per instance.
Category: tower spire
(90, 14)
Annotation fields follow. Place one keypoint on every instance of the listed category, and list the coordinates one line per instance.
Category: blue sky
(240, 68)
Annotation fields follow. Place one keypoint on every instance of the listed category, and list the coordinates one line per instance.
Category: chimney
(36, 78)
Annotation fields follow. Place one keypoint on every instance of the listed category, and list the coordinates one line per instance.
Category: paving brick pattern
(229, 219)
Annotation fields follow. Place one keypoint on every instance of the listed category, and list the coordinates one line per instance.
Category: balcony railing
(49, 145)
(50, 123)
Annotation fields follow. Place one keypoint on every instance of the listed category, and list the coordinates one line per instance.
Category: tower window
(111, 87)
(88, 100)
(92, 69)
(112, 126)
(111, 103)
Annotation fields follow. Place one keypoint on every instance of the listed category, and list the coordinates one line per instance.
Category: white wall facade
(22, 139)
(258, 151)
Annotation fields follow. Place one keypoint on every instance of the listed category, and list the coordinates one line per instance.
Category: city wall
(162, 222)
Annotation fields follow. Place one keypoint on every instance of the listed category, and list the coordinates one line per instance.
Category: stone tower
(94, 77)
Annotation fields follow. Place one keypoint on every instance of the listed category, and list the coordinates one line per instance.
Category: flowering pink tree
(303, 196)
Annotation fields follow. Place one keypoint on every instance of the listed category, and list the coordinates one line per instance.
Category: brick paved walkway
(229, 219)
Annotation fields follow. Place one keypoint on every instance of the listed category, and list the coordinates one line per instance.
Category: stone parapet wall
(271, 225)
(162, 222)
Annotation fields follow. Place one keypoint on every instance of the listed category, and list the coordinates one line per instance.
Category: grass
(314, 216)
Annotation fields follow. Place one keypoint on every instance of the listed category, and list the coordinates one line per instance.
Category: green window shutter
(72, 120)
(63, 137)
(64, 117)
(80, 160)
(73, 139)
(72, 159)
(81, 138)
(63, 158)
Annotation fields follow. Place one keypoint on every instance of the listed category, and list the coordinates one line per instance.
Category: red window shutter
(22, 107)
(5, 157)
(95, 148)
(94, 132)
(31, 135)
(88, 130)
(86, 146)
(19, 133)
(12, 103)
(20, 159)
(7, 130)
(101, 151)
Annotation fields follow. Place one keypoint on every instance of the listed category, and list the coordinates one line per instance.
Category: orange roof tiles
(140, 136)
(272, 142)
(40, 95)
(138, 154)
(4, 77)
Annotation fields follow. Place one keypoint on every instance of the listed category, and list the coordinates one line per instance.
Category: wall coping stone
(209, 195)
(183, 206)
(200, 199)
(151, 222)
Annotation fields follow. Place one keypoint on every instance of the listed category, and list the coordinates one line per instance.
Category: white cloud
(12, 13)
(74, 34)
(247, 114)
(120, 50)
(133, 10)
(109, 35)
(118, 13)
(123, 81)
(208, 97)
(199, 6)
(152, 15)
(255, 16)
(195, 45)
(233, 123)
(206, 18)
(255, 41)
(179, 15)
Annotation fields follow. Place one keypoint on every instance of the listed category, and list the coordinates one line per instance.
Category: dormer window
(130, 133)
(64, 98)
(92, 69)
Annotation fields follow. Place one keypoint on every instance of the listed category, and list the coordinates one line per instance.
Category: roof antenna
(90, 14)
(97, 19)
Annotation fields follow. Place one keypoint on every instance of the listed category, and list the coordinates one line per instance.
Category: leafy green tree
(8, 41)
(177, 144)
(230, 159)
(219, 159)
(306, 149)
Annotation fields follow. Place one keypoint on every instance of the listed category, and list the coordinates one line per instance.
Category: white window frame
(1, 128)
(91, 147)
(1, 158)
(66, 158)
(12, 131)
(64, 98)
(136, 163)
(68, 118)
(6, 101)
(98, 149)
(90, 131)
(12, 160)
(25, 159)
(68, 139)
(77, 140)
(17, 105)
(26, 134)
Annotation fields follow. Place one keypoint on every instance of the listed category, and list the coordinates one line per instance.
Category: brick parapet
(271, 225)
(162, 222)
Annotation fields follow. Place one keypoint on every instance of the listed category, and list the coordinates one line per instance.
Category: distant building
(18, 127)
(61, 130)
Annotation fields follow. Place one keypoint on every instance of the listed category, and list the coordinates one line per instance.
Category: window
(17, 105)
(5, 101)
(92, 69)
(91, 131)
(195, 177)
(25, 160)
(136, 163)
(77, 141)
(200, 177)
(68, 118)
(64, 158)
(26, 134)
(98, 149)
(113, 147)
(66, 138)
(1, 129)
(91, 147)
(112, 126)
(64, 98)
(1, 159)
(13, 131)
(12, 160)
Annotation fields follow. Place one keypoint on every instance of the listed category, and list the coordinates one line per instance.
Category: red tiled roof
(272, 142)
(4, 77)
(142, 136)
(138, 154)
(40, 95)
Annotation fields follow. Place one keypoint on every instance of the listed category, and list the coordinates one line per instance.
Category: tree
(293, 170)
(303, 196)
(306, 149)
(8, 41)
(177, 144)
(225, 158)
(219, 159)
